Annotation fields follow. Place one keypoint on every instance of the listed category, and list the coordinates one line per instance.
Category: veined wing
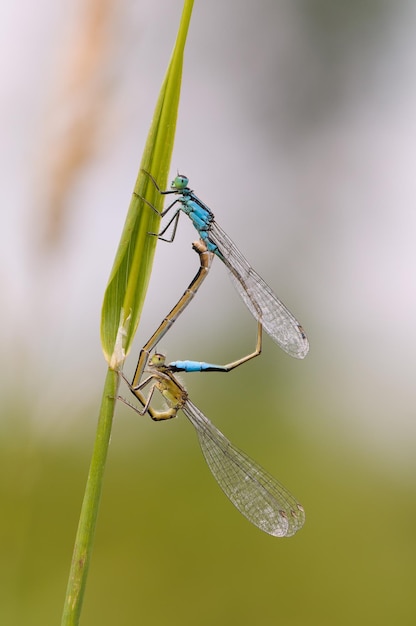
(256, 494)
(266, 307)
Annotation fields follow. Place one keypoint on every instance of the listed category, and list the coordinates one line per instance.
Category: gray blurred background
(297, 127)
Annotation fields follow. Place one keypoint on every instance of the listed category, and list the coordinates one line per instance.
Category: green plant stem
(86, 528)
(123, 302)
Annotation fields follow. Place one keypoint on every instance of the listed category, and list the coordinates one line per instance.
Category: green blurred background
(297, 127)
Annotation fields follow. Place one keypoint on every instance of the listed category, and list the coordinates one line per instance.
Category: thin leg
(157, 416)
(174, 219)
(160, 213)
(145, 402)
(205, 259)
(137, 392)
(162, 193)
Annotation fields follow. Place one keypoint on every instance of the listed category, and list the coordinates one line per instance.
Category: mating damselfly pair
(255, 493)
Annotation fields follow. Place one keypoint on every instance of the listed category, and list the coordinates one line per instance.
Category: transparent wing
(266, 307)
(256, 494)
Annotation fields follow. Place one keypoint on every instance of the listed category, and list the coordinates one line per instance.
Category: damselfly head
(180, 182)
(157, 360)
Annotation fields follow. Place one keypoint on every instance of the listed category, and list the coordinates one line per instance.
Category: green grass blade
(123, 302)
(127, 286)
(81, 557)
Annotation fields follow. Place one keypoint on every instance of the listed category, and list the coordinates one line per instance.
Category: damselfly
(257, 495)
(264, 305)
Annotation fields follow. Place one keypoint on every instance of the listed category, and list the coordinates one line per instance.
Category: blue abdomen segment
(194, 366)
(201, 218)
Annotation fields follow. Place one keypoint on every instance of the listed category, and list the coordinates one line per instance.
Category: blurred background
(297, 127)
